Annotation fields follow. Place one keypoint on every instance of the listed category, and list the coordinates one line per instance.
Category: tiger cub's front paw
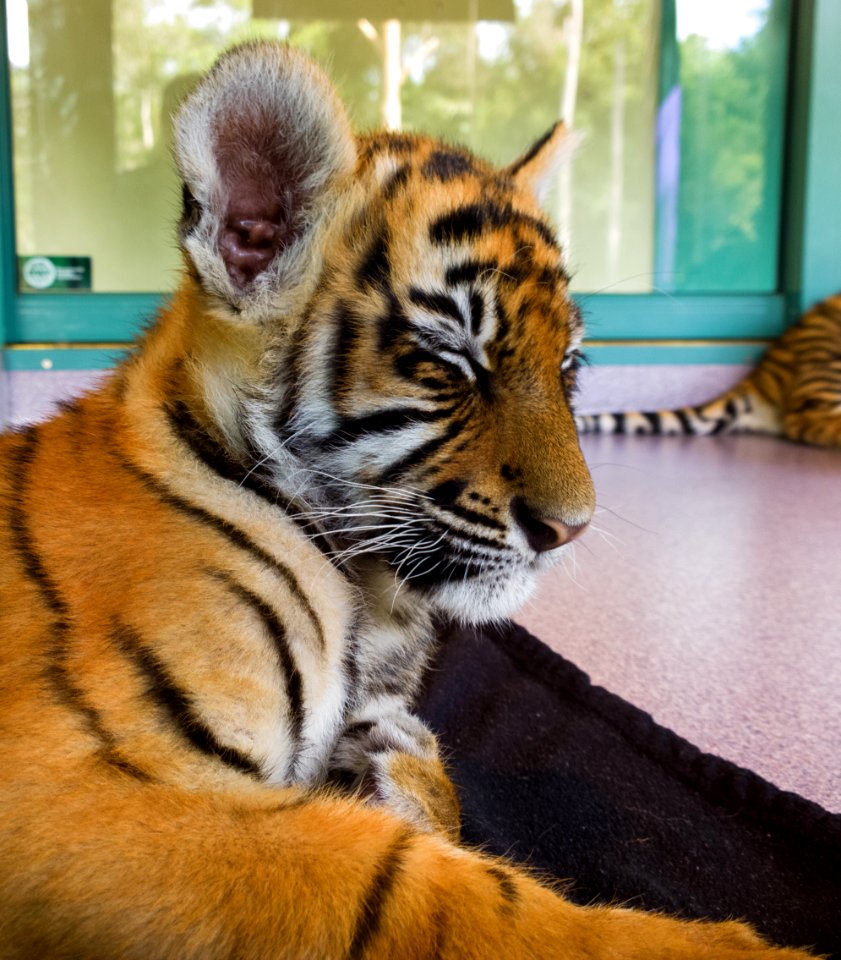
(394, 761)
(416, 789)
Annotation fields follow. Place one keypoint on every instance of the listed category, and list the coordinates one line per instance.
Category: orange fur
(157, 613)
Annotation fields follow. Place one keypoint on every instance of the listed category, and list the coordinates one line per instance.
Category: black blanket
(570, 779)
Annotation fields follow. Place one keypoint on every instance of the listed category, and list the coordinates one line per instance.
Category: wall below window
(33, 394)
(607, 387)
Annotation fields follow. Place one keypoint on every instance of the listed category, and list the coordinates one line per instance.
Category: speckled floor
(709, 593)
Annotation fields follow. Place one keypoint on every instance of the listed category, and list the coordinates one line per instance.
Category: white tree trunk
(392, 108)
(574, 29)
(617, 164)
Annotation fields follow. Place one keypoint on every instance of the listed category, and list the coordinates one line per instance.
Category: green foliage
(730, 161)
(494, 87)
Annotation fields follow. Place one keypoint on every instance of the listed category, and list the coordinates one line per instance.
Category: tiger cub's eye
(570, 366)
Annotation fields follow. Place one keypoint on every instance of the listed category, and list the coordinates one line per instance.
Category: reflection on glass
(679, 105)
(92, 94)
(719, 133)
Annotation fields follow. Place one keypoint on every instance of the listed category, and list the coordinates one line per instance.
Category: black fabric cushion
(574, 781)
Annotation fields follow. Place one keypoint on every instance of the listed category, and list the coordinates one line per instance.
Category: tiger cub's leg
(141, 871)
(385, 752)
(393, 759)
(818, 425)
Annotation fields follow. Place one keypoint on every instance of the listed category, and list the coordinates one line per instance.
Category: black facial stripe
(389, 143)
(483, 376)
(477, 312)
(463, 223)
(190, 213)
(396, 181)
(473, 539)
(375, 268)
(109, 755)
(445, 165)
(461, 542)
(447, 492)
(351, 429)
(175, 701)
(473, 516)
(422, 453)
(439, 303)
(552, 276)
(471, 220)
(289, 672)
(290, 379)
(442, 389)
(345, 324)
(545, 233)
(393, 325)
(406, 364)
(441, 567)
(503, 321)
(469, 271)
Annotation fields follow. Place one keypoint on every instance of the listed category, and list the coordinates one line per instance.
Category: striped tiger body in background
(222, 569)
(794, 392)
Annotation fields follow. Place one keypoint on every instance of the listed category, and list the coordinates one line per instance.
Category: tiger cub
(794, 392)
(221, 570)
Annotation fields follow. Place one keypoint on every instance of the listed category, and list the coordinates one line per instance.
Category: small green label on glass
(54, 273)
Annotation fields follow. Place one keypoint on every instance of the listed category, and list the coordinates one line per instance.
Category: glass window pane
(94, 85)
(93, 93)
(720, 127)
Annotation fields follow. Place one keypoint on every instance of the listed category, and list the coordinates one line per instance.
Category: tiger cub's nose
(543, 533)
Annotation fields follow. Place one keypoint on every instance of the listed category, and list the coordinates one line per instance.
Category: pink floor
(709, 593)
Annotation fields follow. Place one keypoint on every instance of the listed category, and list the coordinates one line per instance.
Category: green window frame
(624, 328)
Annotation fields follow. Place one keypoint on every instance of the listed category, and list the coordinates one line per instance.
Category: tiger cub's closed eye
(570, 367)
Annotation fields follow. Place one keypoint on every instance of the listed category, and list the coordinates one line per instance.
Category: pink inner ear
(262, 192)
(251, 235)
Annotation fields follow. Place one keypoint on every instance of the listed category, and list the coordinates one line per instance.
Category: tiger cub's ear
(537, 167)
(264, 148)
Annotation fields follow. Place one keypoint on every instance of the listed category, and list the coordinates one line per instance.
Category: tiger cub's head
(414, 345)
